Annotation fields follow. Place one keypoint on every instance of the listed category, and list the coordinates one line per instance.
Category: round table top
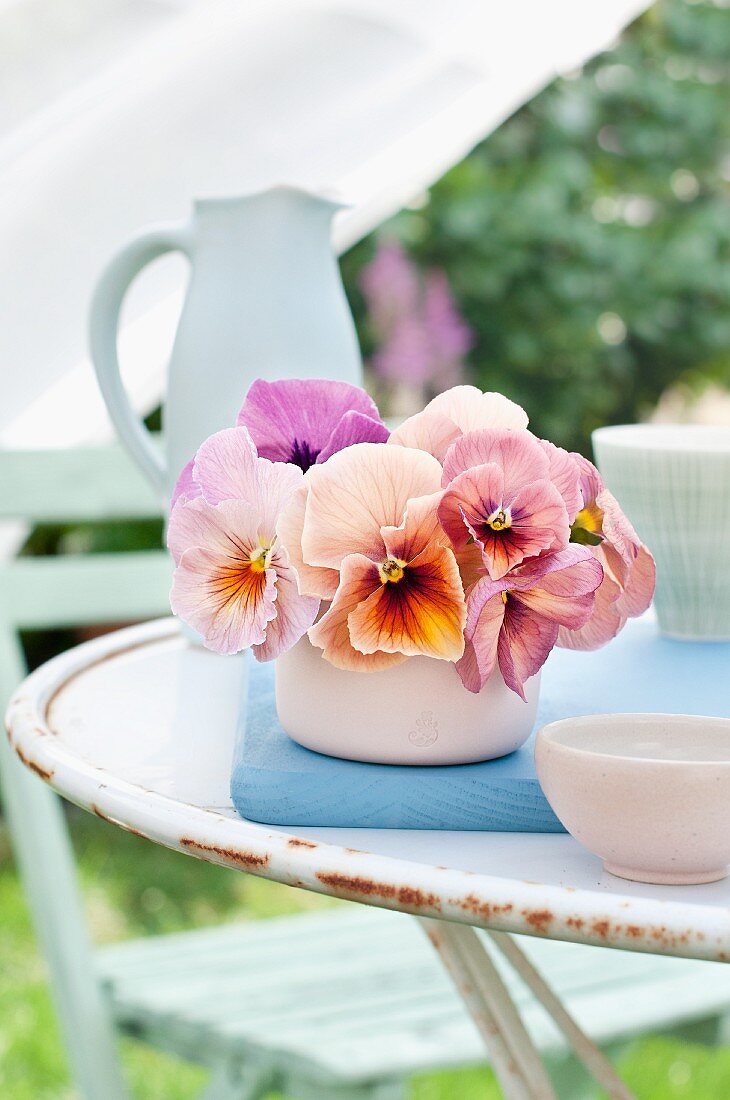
(138, 727)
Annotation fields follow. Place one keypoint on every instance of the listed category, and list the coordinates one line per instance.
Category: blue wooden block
(278, 782)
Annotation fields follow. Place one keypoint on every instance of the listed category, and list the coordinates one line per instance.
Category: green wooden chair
(341, 1004)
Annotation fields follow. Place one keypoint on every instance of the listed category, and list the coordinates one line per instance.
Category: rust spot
(230, 855)
(539, 919)
(487, 910)
(300, 842)
(575, 922)
(365, 887)
(601, 928)
(115, 821)
(44, 773)
(634, 931)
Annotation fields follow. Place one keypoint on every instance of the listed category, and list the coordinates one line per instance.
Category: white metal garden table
(138, 727)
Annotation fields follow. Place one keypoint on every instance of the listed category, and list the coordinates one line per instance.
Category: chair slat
(88, 483)
(76, 590)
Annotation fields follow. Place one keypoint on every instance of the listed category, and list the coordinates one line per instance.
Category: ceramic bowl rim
(705, 439)
(544, 735)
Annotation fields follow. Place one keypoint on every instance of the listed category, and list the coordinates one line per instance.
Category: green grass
(134, 888)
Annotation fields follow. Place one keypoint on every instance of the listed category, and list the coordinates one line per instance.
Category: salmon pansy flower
(499, 494)
(513, 622)
(629, 573)
(371, 517)
(233, 582)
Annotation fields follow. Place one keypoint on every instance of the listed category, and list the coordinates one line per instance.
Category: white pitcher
(265, 299)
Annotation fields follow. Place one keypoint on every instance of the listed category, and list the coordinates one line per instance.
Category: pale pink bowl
(648, 793)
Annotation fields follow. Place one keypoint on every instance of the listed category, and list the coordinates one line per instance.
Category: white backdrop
(118, 112)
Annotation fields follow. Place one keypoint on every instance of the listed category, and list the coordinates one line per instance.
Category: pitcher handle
(103, 328)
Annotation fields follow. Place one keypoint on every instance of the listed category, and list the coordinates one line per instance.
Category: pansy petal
(539, 522)
(229, 606)
(533, 572)
(604, 623)
(540, 517)
(517, 453)
(291, 420)
(358, 579)
(426, 431)
(422, 613)
(354, 427)
(219, 587)
(294, 613)
(471, 409)
(185, 486)
(565, 596)
(565, 476)
(198, 523)
(358, 491)
(313, 581)
(524, 645)
(485, 615)
(226, 467)
(420, 528)
(469, 501)
(639, 585)
(591, 482)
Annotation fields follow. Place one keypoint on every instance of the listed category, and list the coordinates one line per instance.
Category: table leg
(516, 1062)
(585, 1049)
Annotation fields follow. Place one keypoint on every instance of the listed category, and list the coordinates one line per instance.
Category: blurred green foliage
(588, 239)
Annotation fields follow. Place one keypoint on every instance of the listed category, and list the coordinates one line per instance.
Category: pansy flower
(307, 420)
(499, 495)
(367, 525)
(629, 573)
(233, 582)
(452, 414)
(513, 622)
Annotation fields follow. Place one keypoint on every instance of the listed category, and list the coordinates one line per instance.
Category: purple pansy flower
(305, 421)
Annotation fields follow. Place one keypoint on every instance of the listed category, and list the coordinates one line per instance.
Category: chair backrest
(88, 484)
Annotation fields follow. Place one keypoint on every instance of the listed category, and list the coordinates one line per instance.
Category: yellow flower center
(500, 519)
(504, 597)
(391, 571)
(260, 559)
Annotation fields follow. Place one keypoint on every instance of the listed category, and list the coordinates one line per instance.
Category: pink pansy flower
(453, 413)
(368, 521)
(233, 582)
(513, 622)
(306, 420)
(499, 494)
(629, 573)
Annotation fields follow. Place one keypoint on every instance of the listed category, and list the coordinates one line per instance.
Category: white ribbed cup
(673, 482)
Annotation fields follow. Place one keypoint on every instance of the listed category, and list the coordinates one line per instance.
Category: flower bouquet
(411, 584)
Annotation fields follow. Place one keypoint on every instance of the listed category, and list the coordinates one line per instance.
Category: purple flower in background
(405, 356)
(449, 336)
(390, 286)
(423, 339)
(305, 421)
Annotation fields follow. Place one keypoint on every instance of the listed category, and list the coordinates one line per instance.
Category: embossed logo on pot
(426, 730)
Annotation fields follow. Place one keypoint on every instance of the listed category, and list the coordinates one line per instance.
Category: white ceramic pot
(415, 713)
